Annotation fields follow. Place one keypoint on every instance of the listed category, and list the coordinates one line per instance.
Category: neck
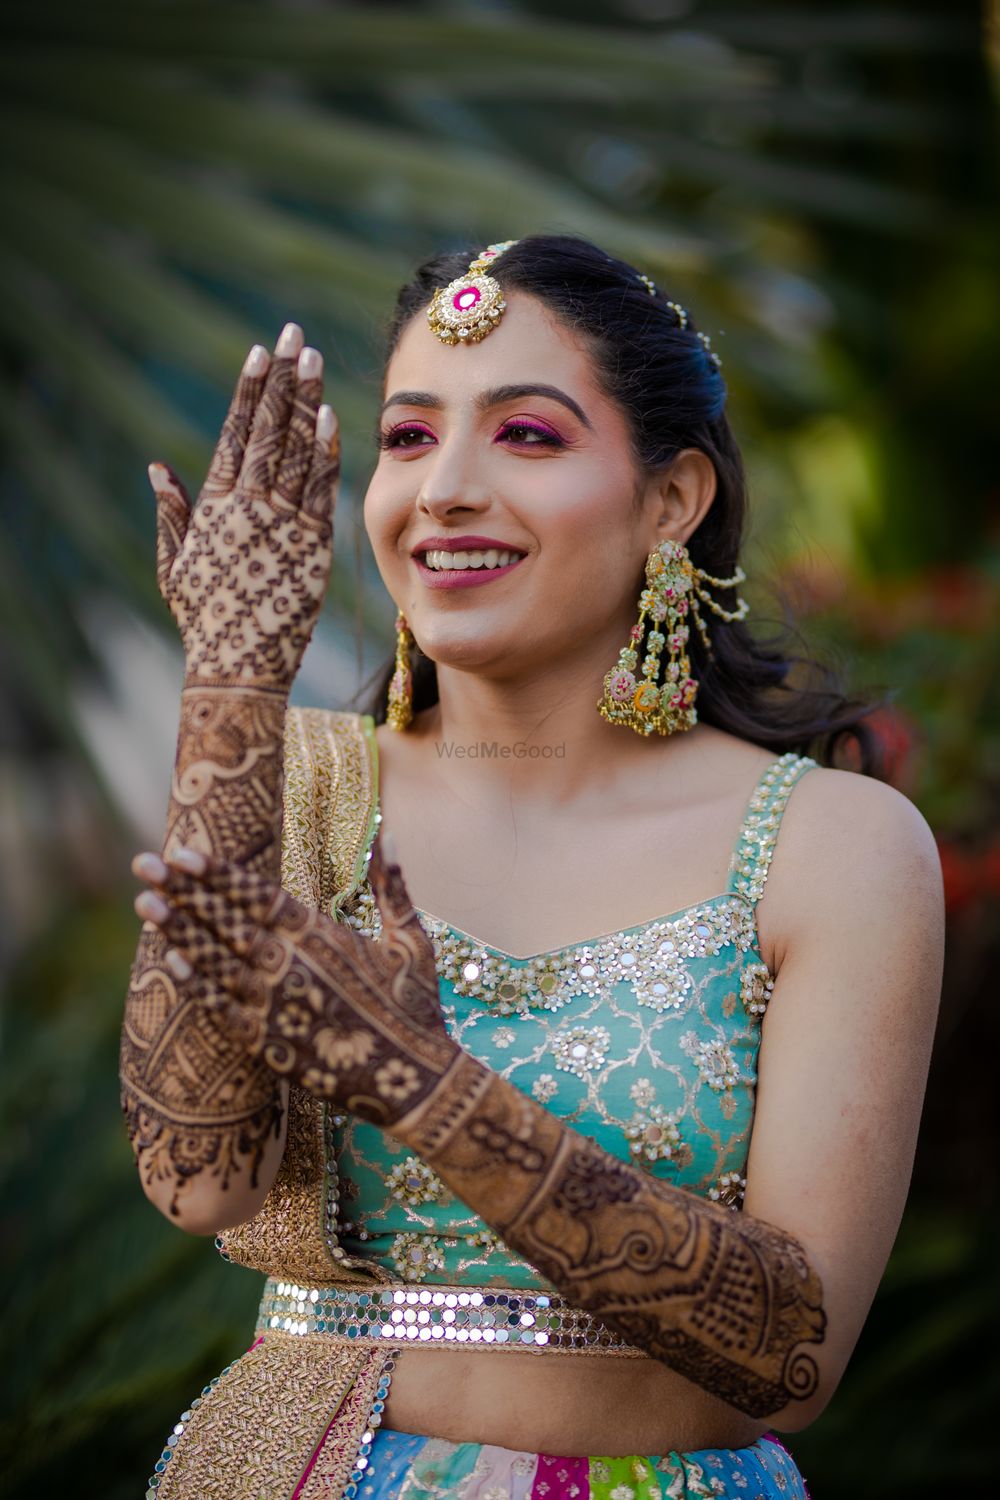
(536, 736)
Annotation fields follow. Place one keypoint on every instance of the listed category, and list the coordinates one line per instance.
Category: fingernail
(150, 867)
(150, 906)
(310, 363)
(326, 423)
(187, 859)
(177, 964)
(158, 476)
(289, 341)
(256, 361)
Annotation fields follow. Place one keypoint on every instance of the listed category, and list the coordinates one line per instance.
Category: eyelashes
(542, 437)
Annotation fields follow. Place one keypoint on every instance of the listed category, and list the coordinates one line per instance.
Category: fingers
(228, 457)
(173, 512)
(319, 495)
(269, 429)
(236, 905)
(194, 951)
(297, 453)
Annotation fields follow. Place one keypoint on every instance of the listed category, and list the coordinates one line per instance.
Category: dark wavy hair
(673, 394)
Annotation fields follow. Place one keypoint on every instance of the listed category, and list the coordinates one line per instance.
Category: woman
(587, 1187)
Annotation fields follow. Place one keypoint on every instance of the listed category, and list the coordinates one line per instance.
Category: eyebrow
(494, 397)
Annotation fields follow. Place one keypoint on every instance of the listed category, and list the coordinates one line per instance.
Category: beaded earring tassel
(674, 587)
(399, 710)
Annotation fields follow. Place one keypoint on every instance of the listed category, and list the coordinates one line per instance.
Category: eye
(536, 436)
(394, 438)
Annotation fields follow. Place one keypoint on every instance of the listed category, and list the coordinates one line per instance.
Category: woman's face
(473, 446)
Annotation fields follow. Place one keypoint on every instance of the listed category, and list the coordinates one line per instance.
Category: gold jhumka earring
(674, 586)
(399, 711)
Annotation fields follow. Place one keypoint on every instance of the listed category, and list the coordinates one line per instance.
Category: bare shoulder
(849, 845)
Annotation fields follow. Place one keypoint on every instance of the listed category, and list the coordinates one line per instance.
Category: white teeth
(491, 559)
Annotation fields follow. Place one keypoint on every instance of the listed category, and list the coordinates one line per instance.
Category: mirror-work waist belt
(457, 1317)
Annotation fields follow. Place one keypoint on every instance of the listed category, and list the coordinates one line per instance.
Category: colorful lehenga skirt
(300, 1418)
(405, 1467)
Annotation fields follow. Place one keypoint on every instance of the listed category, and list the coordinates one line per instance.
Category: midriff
(572, 1405)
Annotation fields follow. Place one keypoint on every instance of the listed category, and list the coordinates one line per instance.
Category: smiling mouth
(477, 560)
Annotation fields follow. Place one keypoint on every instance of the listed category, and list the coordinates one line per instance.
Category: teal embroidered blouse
(646, 1040)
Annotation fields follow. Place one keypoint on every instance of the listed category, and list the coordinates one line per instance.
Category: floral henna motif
(727, 1301)
(353, 1021)
(243, 573)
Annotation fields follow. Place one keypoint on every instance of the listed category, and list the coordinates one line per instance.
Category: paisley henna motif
(726, 1300)
(243, 573)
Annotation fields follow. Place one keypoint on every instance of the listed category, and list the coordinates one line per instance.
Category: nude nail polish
(289, 341)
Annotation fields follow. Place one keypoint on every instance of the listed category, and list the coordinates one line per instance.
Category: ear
(677, 498)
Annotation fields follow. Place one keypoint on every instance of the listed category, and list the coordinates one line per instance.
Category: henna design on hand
(724, 1299)
(243, 573)
(351, 1020)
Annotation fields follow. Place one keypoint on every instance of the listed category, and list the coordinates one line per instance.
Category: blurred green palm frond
(182, 177)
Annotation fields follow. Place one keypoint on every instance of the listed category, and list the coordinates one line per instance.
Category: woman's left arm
(765, 1317)
(761, 1308)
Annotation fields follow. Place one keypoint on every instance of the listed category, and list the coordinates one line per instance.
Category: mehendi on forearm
(725, 1299)
(194, 1100)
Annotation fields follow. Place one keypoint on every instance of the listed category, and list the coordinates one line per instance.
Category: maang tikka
(673, 587)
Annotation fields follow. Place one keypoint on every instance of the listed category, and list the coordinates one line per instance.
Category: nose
(451, 483)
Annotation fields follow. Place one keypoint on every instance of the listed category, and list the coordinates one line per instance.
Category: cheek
(384, 516)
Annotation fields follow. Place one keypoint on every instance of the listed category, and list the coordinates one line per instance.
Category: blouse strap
(751, 858)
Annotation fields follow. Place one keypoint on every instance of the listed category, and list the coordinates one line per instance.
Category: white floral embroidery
(642, 1092)
(544, 1088)
(714, 1061)
(581, 1050)
(414, 1255)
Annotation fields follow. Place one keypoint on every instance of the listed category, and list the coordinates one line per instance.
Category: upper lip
(462, 544)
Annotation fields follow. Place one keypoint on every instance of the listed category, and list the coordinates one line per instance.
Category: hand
(352, 1020)
(244, 571)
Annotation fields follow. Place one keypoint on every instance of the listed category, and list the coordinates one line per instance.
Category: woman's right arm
(244, 573)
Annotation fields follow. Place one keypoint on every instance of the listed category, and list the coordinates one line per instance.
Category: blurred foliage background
(817, 182)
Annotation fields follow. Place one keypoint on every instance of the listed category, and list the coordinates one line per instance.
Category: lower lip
(461, 578)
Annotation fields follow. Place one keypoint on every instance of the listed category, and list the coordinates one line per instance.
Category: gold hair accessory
(682, 319)
(674, 586)
(467, 309)
(399, 710)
